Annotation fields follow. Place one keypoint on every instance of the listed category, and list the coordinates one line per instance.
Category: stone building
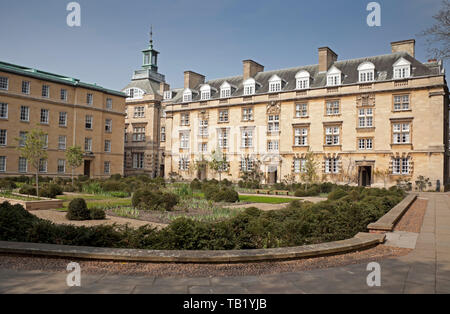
(71, 112)
(370, 121)
(143, 118)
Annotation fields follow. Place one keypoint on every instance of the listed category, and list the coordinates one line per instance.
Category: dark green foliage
(78, 210)
(337, 194)
(27, 189)
(116, 176)
(299, 224)
(154, 199)
(97, 213)
(312, 191)
(219, 193)
(196, 185)
(50, 190)
(6, 184)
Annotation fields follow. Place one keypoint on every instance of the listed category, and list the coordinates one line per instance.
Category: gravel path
(412, 219)
(59, 217)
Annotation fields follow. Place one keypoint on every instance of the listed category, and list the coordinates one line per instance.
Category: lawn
(94, 200)
(264, 199)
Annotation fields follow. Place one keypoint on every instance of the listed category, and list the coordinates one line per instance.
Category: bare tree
(438, 35)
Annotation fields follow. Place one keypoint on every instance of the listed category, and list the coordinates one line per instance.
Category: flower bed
(30, 202)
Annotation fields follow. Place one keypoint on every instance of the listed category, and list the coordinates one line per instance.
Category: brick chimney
(192, 79)
(251, 68)
(163, 87)
(326, 58)
(408, 46)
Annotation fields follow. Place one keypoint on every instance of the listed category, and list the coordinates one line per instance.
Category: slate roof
(349, 68)
(52, 77)
(147, 85)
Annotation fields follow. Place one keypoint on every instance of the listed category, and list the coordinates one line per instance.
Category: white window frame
(333, 107)
(90, 99)
(109, 104)
(45, 116)
(107, 146)
(138, 160)
(88, 144)
(184, 119)
(365, 118)
(89, 122)
(167, 95)
(4, 110)
(45, 91)
(138, 134)
(187, 95)
(26, 87)
(332, 165)
(3, 137)
(139, 112)
(3, 162)
(63, 119)
(108, 125)
(401, 166)
(401, 133)
(275, 84)
(4, 83)
(366, 72)
(106, 167)
(203, 128)
(249, 87)
(301, 110)
(43, 166)
(402, 102)
(247, 137)
(184, 140)
(23, 162)
(334, 77)
(205, 92)
(225, 90)
(223, 115)
(332, 135)
(302, 80)
(247, 114)
(299, 165)
(25, 112)
(62, 142)
(402, 69)
(301, 136)
(223, 137)
(63, 94)
(61, 163)
(273, 124)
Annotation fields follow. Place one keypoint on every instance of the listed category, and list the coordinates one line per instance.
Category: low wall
(43, 203)
(359, 242)
(388, 221)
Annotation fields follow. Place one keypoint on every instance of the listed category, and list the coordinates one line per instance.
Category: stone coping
(360, 241)
(388, 221)
(37, 204)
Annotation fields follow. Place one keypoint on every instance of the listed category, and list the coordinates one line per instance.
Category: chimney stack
(251, 68)
(163, 87)
(408, 46)
(192, 79)
(326, 58)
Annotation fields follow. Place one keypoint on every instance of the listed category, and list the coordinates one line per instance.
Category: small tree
(438, 35)
(74, 157)
(33, 149)
(349, 173)
(219, 163)
(309, 173)
(382, 173)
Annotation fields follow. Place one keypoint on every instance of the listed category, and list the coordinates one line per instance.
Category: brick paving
(425, 270)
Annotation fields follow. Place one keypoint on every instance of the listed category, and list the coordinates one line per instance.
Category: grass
(264, 199)
(103, 201)
(18, 197)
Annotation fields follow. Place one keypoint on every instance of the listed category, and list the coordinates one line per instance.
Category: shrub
(27, 189)
(226, 182)
(196, 185)
(312, 191)
(116, 176)
(151, 199)
(69, 188)
(78, 210)
(97, 213)
(92, 188)
(6, 184)
(218, 193)
(336, 194)
(50, 190)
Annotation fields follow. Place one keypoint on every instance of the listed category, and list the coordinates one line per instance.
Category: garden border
(390, 219)
(361, 241)
(39, 204)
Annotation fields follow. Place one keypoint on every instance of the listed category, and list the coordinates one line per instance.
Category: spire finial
(151, 36)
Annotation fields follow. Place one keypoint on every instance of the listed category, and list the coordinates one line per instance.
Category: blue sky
(211, 37)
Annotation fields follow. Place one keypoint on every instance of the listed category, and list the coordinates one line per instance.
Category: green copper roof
(17, 69)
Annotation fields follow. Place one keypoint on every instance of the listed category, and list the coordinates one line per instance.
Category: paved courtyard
(425, 270)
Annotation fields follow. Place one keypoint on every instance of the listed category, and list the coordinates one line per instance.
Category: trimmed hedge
(154, 199)
(299, 224)
(78, 210)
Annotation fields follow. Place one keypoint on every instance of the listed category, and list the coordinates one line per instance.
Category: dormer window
(334, 77)
(302, 79)
(134, 93)
(187, 95)
(167, 95)
(402, 69)
(275, 84)
(366, 72)
(225, 90)
(249, 86)
(205, 92)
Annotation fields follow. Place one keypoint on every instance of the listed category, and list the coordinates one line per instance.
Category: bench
(262, 191)
(281, 192)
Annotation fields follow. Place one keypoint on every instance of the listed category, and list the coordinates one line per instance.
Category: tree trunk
(37, 183)
(72, 175)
